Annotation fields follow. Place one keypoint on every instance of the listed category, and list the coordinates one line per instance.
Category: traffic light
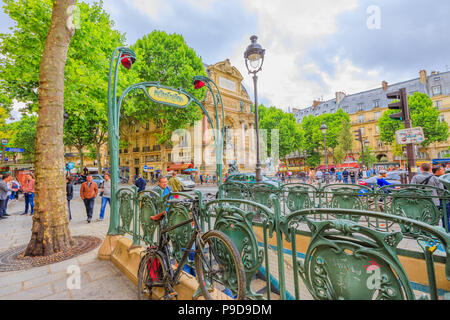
(358, 135)
(400, 104)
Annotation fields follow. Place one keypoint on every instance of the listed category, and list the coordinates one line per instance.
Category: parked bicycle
(218, 266)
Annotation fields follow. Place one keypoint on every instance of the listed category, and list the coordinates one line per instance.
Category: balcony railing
(146, 149)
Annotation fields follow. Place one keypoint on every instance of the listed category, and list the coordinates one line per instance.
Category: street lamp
(254, 59)
(324, 129)
(366, 144)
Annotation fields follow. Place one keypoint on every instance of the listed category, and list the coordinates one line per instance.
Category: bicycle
(218, 265)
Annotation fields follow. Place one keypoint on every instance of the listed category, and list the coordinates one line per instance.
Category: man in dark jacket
(140, 183)
(69, 191)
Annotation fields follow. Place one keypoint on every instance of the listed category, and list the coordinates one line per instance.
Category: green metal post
(113, 134)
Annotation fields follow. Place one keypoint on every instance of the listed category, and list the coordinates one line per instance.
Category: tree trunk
(50, 231)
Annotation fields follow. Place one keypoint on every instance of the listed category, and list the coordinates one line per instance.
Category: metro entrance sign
(411, 135)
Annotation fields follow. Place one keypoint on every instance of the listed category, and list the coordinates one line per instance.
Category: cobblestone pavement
(99, 279)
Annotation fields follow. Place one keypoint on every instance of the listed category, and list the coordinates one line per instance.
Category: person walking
(140, 183)
(439, 170)
(201, 179)
(28, 192)
(105, 193)
(4, 189)
(88, 192)
(352, 176)
(319, 176)
(426, 177)
(69, 193)
(339, 175)
(345, 175)
(14, 185)
(175, 184)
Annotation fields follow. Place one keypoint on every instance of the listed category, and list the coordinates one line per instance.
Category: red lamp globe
(198, 84)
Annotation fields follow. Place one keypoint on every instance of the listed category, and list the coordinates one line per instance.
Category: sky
(313, 48)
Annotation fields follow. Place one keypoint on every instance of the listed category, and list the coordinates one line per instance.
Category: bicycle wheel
(219, 269)
(151, 275)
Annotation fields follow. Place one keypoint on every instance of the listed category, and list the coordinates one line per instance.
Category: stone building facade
(365, 108)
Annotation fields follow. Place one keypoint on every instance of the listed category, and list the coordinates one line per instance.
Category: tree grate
(13, 260)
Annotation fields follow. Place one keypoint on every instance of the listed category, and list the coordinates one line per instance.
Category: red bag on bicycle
(154, 270)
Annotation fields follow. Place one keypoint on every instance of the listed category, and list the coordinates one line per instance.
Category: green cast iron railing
(349, 256)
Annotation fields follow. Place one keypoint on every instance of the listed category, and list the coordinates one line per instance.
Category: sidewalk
(99, 279)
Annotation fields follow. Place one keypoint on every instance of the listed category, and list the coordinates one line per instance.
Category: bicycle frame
(164, 240)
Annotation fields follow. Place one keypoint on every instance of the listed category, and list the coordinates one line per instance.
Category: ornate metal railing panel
(423, 203)
(347, 260)
(234, 218)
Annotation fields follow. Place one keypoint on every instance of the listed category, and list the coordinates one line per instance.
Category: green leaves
(290, 134)
(168, 59)
(313, 142)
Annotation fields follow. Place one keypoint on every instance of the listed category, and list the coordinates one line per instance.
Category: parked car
(250, 178)
(393, 177)
(98, 179)
(186, 182)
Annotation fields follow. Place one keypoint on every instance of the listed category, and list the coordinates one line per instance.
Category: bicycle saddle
(158, 216)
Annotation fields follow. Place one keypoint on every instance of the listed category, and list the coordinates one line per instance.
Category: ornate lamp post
(254, 59)
(324, 129)
(125, 57)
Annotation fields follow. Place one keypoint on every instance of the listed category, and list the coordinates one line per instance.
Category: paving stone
(64, 295)
(108, 288)
(10, 289)
(30, 294)
(63, 265)
(20, 276)
(49, 278)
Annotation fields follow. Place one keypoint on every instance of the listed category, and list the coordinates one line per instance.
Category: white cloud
(153, 8)
(286, 29)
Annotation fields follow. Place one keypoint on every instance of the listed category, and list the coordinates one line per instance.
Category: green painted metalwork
(126, 198)
(415, 202)
(298, 196)
(150, 204)
(342, 256)
(236, 223)
(114, 106)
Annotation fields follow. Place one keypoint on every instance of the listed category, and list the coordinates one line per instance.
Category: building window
(137, 127)
(436, 90)
(361, 118)
(362, 131)
(376, 115)
(377, 129)
(441, 118)
(147, 126)
(360, 106)
(437, 104)
(136, 161)
(376, 103)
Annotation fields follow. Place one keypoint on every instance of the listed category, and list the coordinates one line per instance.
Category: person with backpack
(69, 193)
(345, 175)
(426, 177)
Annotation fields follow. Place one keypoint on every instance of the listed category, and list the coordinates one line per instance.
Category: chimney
(423, 77)
(339, 97)
(316, 103)
(384, 84)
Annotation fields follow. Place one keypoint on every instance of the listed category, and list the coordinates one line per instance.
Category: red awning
(180, 166)
(348, 165)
